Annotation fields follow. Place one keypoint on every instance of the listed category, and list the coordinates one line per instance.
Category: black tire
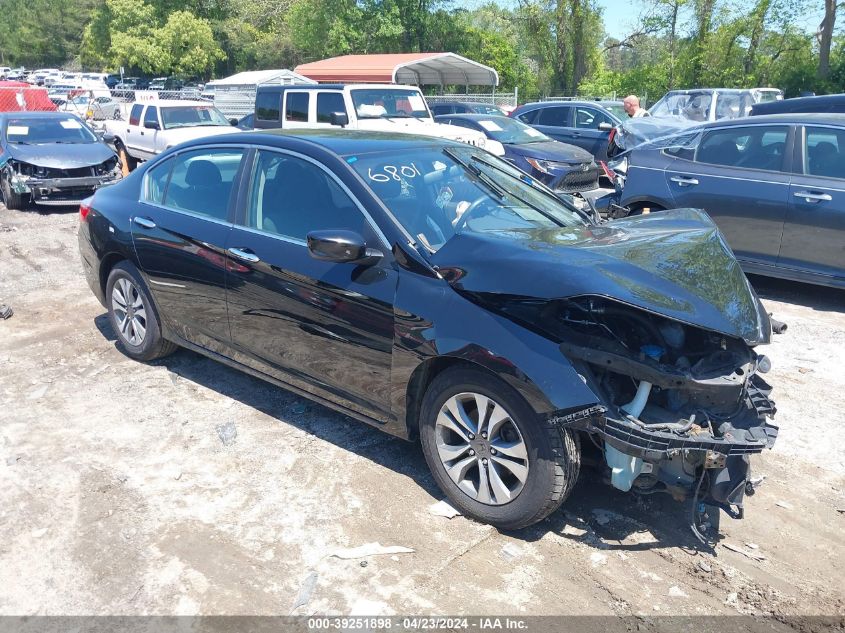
(554, 455)
(152, 344)
(13, 201)
(127, 163)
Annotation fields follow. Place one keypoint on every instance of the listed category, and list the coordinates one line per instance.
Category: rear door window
(296, 106)
(201, 181)
(752, 147)
(267, 106)
(135, 114)
(557, 116)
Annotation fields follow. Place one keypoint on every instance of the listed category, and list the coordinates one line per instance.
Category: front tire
(133, 316)
(507, 467)
(12, 200)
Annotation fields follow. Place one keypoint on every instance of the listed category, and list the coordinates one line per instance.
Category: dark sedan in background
(559, 166)
(51, 159)
(586, 124)
(433, 290)
(462, 107)
(774, 184)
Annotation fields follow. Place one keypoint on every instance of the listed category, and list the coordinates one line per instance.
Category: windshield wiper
(532, 184)
(491, 184)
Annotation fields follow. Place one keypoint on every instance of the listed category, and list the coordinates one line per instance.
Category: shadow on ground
(820, 298)
(602, 516)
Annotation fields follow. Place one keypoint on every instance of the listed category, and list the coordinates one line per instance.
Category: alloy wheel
(129, 312)
(481, 448)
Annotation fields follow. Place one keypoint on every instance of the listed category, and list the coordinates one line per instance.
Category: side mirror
(341, 247)
(152, 125)
(339, 118)
(605, 126)
(108, 137)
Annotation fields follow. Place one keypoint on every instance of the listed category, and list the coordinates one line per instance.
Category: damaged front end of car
(680, 408)
(657, 319)
(59, 186)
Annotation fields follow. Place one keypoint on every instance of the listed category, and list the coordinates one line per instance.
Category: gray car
(775, 185)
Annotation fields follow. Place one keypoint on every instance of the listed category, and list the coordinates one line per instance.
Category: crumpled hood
(553, 150)
(673, 263)
(60, 155)
(634, 132)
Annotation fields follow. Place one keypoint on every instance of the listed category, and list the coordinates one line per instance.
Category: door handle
(144, 222)
(576, 134)
(684, 182)
(245, 255)
(813, 197)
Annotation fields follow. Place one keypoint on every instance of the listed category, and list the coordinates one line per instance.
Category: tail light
(85, 208)
(611, 136)
(607, 172)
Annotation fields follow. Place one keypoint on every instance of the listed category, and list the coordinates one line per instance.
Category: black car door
(321, 326)
(814, 231)
(180, 232)
(738, 175)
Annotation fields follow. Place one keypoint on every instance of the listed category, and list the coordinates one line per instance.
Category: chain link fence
(25, 99)
(506, 99)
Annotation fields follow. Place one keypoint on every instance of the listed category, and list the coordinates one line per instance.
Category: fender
(430, 330)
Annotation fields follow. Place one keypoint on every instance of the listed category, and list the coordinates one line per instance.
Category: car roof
(277, 88)
(546, 104)
(472, 116)
(786, 117)
(38, 115)
(171, 103)
(341, 142)
(450, 102)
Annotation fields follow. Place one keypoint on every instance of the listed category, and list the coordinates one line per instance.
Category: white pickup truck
(159, 125)
(371, 107)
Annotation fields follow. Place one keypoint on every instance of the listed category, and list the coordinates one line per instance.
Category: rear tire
(529, 465)
(12, 200)
(133, 315)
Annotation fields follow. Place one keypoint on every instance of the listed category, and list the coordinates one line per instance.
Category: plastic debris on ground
(443, 509)
(370, 549)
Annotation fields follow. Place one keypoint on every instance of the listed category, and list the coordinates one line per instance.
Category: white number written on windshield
(393, 172)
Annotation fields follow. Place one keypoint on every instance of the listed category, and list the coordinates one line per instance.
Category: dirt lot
(118, 495)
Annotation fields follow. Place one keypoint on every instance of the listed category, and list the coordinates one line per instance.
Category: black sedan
(559, 166)
(51, 159)
(774, 184)
(436, 292)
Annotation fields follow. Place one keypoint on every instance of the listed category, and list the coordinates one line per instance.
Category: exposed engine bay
(680, 408)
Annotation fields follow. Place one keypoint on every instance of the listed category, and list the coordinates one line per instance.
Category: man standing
(632, 107)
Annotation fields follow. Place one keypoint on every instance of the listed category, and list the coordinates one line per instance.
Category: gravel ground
(119, 495)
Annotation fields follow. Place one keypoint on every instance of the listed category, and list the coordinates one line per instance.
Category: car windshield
(694, 106)
(385, 103)
(192, 116)
(511, 131)
(32, 131)
(436, 193)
